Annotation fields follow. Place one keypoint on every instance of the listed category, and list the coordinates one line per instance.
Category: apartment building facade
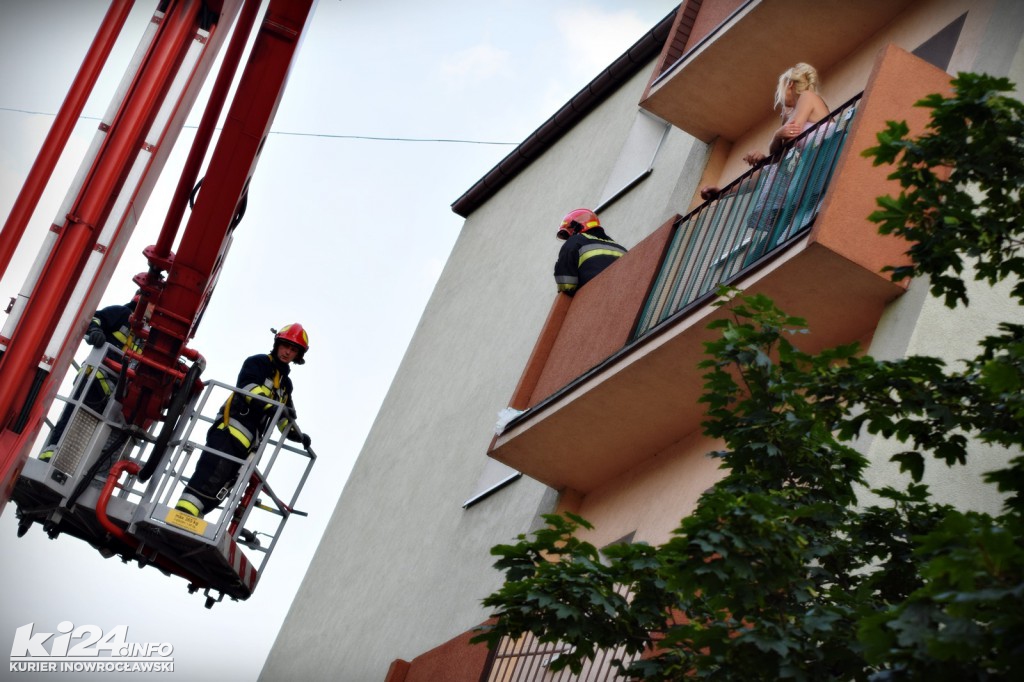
(603, 386)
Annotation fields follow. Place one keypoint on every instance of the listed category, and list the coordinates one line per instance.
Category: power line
(389, 139)
(327, 135)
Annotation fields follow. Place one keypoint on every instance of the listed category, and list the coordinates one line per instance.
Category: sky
(393, 109)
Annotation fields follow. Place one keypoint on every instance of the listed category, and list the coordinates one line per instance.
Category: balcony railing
(527, 659)
(760, 212)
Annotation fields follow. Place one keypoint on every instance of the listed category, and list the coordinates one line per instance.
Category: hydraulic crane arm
(98, 217)
(150, 386)
(192, 271)
(99, 214)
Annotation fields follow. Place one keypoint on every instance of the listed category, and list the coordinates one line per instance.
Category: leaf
(1000, 377)
(910, 462)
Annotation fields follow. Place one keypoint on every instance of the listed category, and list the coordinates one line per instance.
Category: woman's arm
(810, 107)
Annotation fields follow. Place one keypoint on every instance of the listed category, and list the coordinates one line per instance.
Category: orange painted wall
(711, 15)
(454, 661)
(652, 498)
(898, 79)
(541, 351)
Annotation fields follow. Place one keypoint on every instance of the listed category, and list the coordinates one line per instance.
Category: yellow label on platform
(186, 521)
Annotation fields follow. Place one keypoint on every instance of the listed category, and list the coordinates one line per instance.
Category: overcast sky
(343, 233)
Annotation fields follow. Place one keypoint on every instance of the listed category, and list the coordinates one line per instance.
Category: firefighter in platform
(245, 420)
(587, 250)
(109, 325)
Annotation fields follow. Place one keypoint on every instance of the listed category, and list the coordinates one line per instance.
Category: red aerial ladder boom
(156, 389)
(192, 271)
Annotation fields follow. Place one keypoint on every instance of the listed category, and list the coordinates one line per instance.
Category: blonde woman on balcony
(802, 107)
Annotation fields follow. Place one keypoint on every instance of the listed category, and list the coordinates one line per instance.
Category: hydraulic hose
(108, 490)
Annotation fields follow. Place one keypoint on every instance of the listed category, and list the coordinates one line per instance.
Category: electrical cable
(370, 138)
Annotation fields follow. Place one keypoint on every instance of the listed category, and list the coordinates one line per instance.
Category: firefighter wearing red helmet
(587, 250)
(246, 419)
(296, 336)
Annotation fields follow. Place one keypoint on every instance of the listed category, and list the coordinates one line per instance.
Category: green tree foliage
(780, 573)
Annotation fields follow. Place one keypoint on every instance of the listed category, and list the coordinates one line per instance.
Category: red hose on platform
(101, 515)
(108, 490)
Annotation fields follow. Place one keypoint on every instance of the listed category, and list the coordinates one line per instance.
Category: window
(636, 159)
(493, 478)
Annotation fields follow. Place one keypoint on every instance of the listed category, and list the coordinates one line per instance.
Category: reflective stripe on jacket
(583, 257)
(245, 416)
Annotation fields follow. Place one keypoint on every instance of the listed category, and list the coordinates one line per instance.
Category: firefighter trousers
(214, 474)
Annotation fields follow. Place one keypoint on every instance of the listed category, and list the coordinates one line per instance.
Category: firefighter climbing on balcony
(109, 325)
(587, 250)
(246, 419)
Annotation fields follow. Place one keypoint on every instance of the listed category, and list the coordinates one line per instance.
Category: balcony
(722, 84)
(613, 380)
(763, 211)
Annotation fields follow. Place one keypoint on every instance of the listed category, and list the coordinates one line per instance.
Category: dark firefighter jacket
(246, 417)
(113, 322)
(582, 257)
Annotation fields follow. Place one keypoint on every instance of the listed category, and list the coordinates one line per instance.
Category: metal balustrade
(754, 216)
(527, 659)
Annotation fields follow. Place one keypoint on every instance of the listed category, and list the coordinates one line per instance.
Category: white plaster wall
(402, 567)
(918, 324)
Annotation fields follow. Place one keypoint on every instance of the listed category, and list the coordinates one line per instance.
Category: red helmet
(295, 335)
(584, 219)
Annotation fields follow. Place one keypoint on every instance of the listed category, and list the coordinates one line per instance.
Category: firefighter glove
(96, 337)
(306, 440)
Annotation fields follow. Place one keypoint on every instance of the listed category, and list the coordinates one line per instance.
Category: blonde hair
(803, 76)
